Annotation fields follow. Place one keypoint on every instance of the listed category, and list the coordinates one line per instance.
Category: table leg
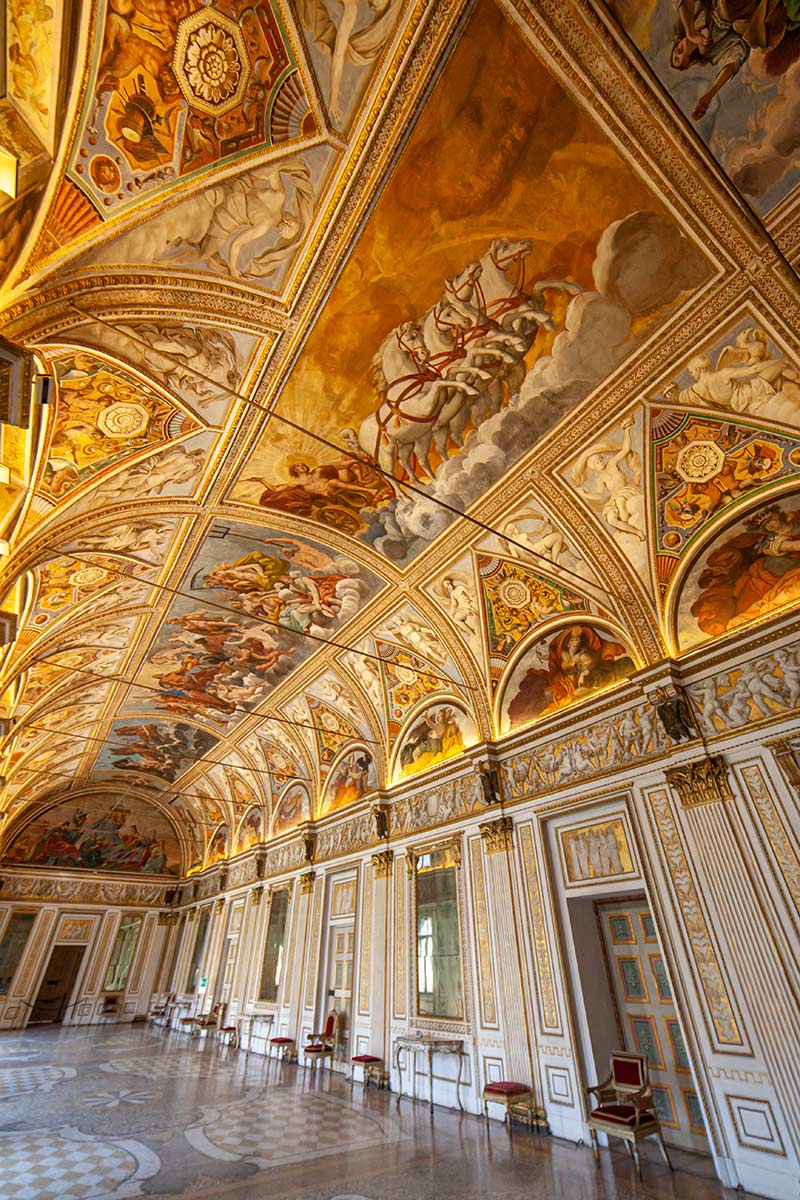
(430, 1078)
(397, 1050)
(458, 1080)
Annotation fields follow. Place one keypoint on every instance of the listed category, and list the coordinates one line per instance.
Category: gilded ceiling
(421, 370)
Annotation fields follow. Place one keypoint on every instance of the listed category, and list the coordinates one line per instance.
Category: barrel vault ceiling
(315, 279)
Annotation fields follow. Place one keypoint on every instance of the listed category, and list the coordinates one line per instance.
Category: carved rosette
(702, 782)
(382, 864)
(210, 61)
(497, 835)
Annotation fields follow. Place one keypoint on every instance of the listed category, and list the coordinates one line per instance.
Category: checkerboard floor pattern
(303, 1125)
(44, 1166)
(14, 1080)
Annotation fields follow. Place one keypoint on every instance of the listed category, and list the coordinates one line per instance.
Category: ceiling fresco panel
(733, 68)
(511, 262)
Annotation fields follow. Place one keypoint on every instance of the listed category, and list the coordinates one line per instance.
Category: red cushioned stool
(510, 1094)
(285, 1046)
(372, 1068)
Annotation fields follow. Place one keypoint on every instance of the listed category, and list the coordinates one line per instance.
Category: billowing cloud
(758, 162)
(642, 263)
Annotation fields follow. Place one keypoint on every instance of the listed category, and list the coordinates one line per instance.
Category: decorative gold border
(546, 997)
(486, 993)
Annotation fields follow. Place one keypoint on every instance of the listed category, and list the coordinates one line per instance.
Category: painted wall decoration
(344, 45)
(516, 599)
(472, 342)
(437, 733)
(353, 776)
(163, 748)
(294, 807)
(406, 678)
(596, 851)
(744, 373)
(251, 830)
(731, 66)
(102, 415)
(218, 846)
(179, 88)
(748, 573)
(273, 589)
(174, 471)
(33, 49)
(249, 226)
(332, 731)
(560, 669)
(99, 833)
(701, 467)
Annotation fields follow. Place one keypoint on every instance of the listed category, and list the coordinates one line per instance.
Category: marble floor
(114, 1112)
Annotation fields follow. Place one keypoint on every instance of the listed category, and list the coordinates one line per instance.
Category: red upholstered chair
(625, 1107)
(159, 1012)
(210, 1020)
(509, 1094)
(322, 1045)
(372, 1068)
(283, 1046)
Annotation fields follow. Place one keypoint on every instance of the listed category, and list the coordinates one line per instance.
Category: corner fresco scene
(403, 403)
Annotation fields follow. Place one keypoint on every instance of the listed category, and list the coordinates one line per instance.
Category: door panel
(647, 1018)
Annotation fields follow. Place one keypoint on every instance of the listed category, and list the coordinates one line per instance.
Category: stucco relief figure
(745, 379)
(174, 467)
(185, 357)
(367, 673)
(456, 592)
(608, 474)
(336, 31)
(575, 662)
(752, 574)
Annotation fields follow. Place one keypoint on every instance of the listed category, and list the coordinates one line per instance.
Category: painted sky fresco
(733, 67)
(458, 287)
(100, 833)
(258, 603)
(749, 573)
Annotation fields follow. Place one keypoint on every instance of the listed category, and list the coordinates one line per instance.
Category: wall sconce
(9, 173)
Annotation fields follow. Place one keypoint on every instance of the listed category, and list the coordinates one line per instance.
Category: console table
(431, 1045)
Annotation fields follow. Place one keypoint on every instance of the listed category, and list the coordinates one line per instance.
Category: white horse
(414, 392)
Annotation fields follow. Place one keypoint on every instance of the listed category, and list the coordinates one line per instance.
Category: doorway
(340, 978)
(56, 987)
(646, 1018)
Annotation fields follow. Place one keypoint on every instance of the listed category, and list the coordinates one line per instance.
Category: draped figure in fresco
(580, 660)
(343, 41)
(751, 574)
(722, 33)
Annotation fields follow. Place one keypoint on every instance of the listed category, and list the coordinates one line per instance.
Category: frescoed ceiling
(420, 369)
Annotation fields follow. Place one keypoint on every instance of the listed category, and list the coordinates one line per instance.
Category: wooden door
(647, 1019)
(340, 977)
(56, 987)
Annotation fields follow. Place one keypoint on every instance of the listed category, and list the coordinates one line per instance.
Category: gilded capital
(702, 782)
(787, 756)
(382, 864)
(307, 883)
(219, 904)
(256, 895)
(497, 835)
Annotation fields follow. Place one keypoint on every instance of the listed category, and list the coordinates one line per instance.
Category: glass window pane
(122, 955)
(12, 946)
(273, 950)
(439, 988)
(197, 952)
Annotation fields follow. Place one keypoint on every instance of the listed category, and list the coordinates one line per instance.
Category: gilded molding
(782, 848)
(307, 883)
(382, 863)
(400, 944)
(365, 964)
(498, 835)
(713, 986)
(486, 995)
(544, 970)
(787, 756)
(256, 895)
(702, 782)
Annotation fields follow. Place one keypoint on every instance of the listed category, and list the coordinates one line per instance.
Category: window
(12, 947)
(197, 952)
(122, 955)
(273, 950)
(439, 985)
